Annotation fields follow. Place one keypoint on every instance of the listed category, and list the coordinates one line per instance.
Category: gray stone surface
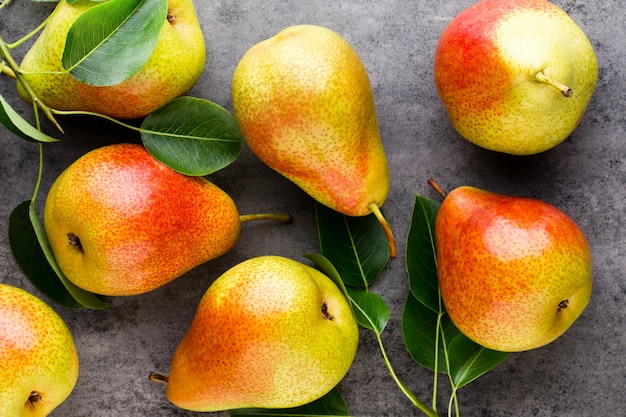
(581, 374)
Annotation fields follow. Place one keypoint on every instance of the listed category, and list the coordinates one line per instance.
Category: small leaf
(193, 136)
(32, 252)
(19, 126)
(111, 41)
(421, 261)
(469, 360)
(331, 404)
(369, 309)
(357, 246)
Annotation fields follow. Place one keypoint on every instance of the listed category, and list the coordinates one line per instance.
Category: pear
(173, 68)
(122, 223)
(270, 332)
(304, 103)
(38, 359)
(515, 76)
(514, 272)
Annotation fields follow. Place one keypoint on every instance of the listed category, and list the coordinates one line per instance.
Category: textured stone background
(581, 374)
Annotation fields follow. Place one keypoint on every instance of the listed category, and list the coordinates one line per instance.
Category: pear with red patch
(514, 273)
(515, 76)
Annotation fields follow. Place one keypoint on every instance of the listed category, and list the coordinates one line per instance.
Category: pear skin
(304, 103)
(121, 223)
(515, 76)
(38, 359)
(514, 273)
(270, 332)
(173, 68)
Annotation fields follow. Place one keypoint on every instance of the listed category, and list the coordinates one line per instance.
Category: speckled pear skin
(270, 332)
(38, 359)
(484, 68)
(174, 67)
(140, 223)
(514, 273)
(304, 103)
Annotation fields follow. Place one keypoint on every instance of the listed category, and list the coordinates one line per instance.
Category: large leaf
(193, 136)
(19, 126)
(112, 41)
(331, 404)
(357, 246)
(421, 262)
(423, 338)
(469, 360)
(33, 254)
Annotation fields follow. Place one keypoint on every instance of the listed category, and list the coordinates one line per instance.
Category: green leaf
(421, 261)
(112, 41)
(369, 309)
(357, 246)
(193, 136)
(331, 404)
(422, 336)
(468, 360)
(19, 126)
(33, 254)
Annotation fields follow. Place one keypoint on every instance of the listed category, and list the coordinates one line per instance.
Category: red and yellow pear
(305, 106)
(122, 223)
(270, 332)
(514, 272)
(38, 359)
(515, 76)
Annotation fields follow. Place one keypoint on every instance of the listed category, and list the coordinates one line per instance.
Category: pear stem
(155, 377)
(436, 187)
(283, 218)
(565, 90)
(392, 241)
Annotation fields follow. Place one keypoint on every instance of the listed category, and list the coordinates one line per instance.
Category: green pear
(122, 223)
(173, 68)
(515, 76)
(38, 359)
(270, 332)
(514, 272)
(304, 103)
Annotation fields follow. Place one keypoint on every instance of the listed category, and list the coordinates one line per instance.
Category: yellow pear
(305, 106)
(173, 68)
(270, 332)
(38, 360)
(122, 223)
(514, 272)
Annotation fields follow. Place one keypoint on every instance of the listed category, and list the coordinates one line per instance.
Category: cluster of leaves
(197, 137)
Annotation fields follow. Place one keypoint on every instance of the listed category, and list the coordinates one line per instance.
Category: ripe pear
(515, 76)
(122, 223)
(514, 272)
(305, 106)
(173, 68)
(270, 332)
(38, 359)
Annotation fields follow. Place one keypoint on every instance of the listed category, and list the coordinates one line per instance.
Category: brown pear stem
(436, 187)
(155, 377)
(565, 90)
(283, 218)
(392, 241)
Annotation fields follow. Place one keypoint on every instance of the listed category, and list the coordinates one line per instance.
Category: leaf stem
(5, 53)
(29, 35)
(405, 390)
